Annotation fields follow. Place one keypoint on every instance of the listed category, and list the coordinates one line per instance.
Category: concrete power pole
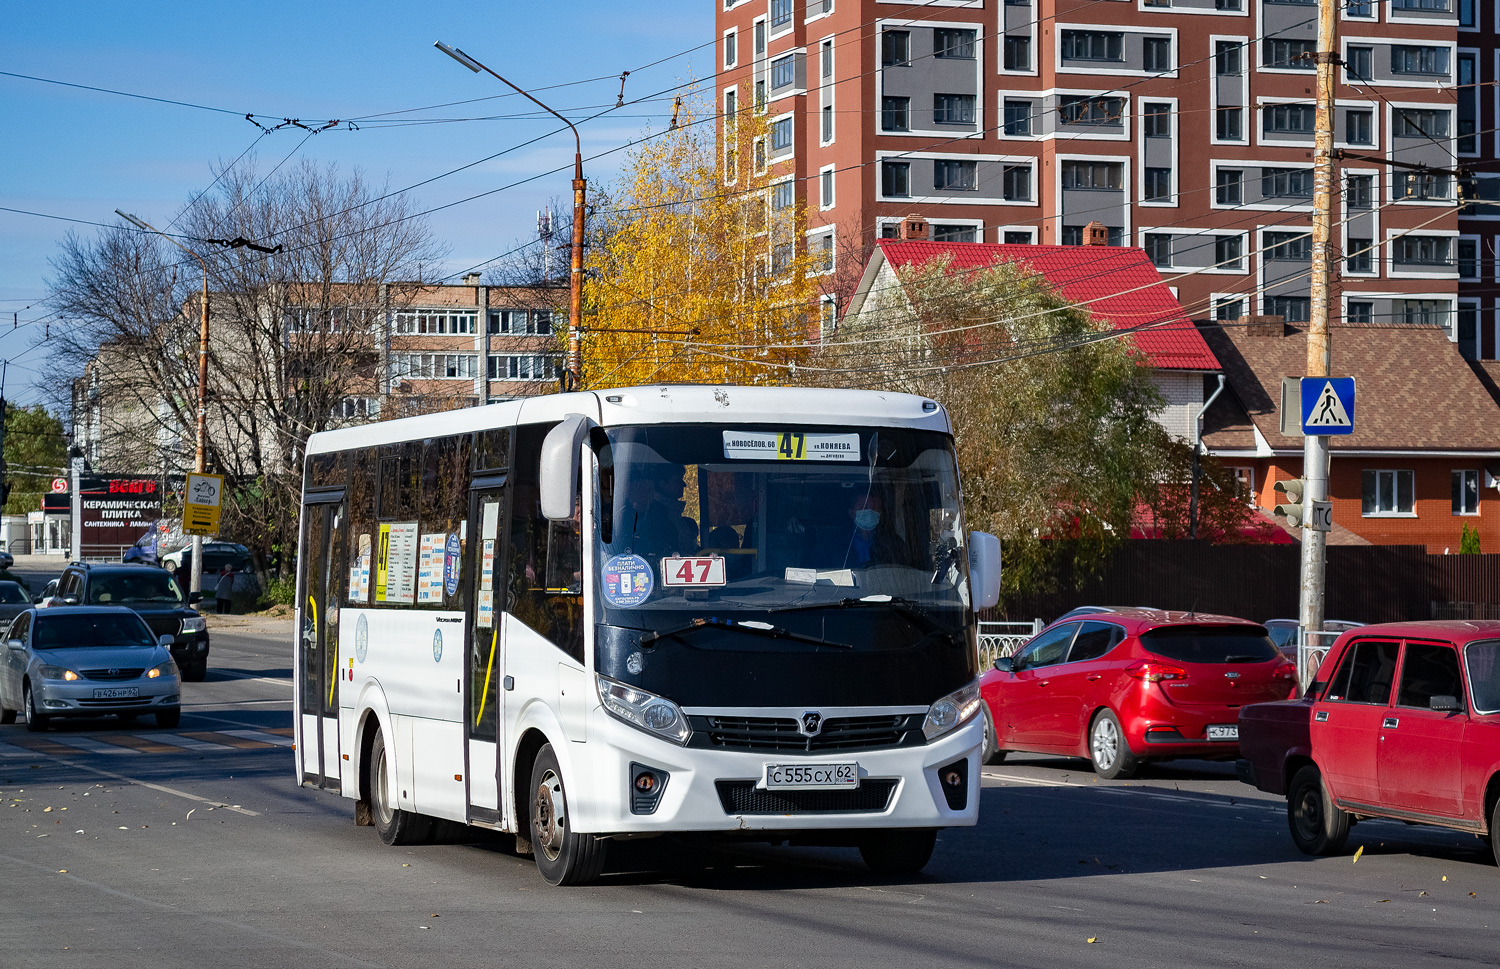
(1319, 350)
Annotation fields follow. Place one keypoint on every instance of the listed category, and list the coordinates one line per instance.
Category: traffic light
(1289, 500)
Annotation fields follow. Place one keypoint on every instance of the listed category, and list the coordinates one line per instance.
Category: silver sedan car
(87, 661)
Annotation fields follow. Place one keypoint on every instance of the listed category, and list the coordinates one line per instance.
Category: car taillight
(1156, 672)
(1286, 671)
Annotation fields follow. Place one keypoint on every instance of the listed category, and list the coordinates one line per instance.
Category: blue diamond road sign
(1327, 405)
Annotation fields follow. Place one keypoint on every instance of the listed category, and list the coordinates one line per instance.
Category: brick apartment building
(1183, 126)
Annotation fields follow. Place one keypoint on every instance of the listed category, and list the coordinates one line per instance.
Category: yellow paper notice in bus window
(382, 562)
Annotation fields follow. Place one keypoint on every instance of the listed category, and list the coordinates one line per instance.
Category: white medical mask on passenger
(867, 518)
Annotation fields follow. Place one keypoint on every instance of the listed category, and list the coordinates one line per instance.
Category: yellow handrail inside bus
(488, 669)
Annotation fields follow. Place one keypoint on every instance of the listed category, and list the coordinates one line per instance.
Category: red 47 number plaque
(702, 570)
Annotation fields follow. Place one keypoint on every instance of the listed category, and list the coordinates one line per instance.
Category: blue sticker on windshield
(627, 581)
(451, 555)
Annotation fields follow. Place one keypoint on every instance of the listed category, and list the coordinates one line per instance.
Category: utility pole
(1319, 350)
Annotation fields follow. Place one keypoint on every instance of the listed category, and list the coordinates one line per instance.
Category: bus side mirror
(984, 570)
(560, 466)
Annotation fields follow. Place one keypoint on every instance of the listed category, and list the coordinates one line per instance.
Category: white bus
(614, 614)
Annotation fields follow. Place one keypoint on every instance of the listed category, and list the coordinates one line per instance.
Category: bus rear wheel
(563, 856)
(395, 826)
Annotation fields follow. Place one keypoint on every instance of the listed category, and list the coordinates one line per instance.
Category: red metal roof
(1118, 283)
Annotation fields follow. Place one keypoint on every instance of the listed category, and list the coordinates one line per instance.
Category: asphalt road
(195, 847)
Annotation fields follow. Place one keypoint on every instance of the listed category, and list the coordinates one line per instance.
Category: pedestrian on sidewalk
(224, 591)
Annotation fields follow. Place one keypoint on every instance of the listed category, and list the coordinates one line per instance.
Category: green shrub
(281, 592)
(1468, 542)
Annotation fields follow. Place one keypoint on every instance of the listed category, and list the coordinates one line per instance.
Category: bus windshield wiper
(907, 607)
(757, 628)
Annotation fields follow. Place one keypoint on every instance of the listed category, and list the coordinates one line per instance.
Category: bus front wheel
(563, 856)
(395, 826)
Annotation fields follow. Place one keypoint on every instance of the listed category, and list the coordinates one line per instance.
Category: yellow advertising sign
(202, 504)
(382, 563)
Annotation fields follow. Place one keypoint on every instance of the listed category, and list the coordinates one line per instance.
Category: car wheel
(1108, 750)
(563, 856)
(7, 716)
(898, 851)
(395, 826)
(35, 722)
(1318, 827)
(167, 719)
(1494, 832)
(990, 753)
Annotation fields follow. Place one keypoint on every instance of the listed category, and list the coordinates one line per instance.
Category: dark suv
(153, 594)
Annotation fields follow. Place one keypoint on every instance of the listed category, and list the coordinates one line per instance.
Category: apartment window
(826, 133)
(1018, 117)
(1295, 183)
(1466, 17)
(822, 253)
(1388, 493)
(895, 179)
(1468, 258)
(1287, 245)
(895, 48)
(781, 134)
(1293, 309)
(1412, 59)
(1091, 110)
(783, 72)
(1017, 53)
(1093, 174)
(1468, 331)
(947, 232)
(950, 43)
(1360, 311)
(1229, 186)
(1288, 118)
(1421, 312)
(781, 12)
(1157, 54)
(1468, 106)
(826, 60)
(1229, 6)
(1228, 310)
(1360, 8)
(435, 366)
(1359, 191)
(783, 195)
(731, 48)
(1093, 45)
(1409, 250)
(1228, 57)
(953, 108)
(1414, 123)
(1422, 185)
(1466, 492)
(1439, 6)
(1359, 63)
(1359, 127)
(1159, 249)
(895, 114)
(760, 97)
(951, 175)
(889, 230)
(1288, 54)
(507, 366)
(1156, 183)
(1020, 238)
(1229, 252)
(1229, 124)
(1359, 255)
(1015, 183)
(731, 104)
(1156, 120)
(435, 322)
(818, 7)
(760, 154)
(760, 37)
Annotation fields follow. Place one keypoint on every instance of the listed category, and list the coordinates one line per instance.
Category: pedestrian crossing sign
(1327, 405)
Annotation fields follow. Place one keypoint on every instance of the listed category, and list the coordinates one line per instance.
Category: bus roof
(658, 404)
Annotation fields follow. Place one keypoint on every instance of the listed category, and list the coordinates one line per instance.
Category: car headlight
(952, 711)
(194, 625)
(56, 673)
(651, 713)
(168, 668)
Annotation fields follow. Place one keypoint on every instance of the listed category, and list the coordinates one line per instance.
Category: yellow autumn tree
(697, 267)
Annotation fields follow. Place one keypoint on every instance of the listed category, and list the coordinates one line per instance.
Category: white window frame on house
(1104, 67)
(297, 319)
(1210, 236)
(1458, 261)
(777, 154)
(731, 139)
(731, 47)
(827, 89)
(411, 365)
(1262, 103)
(1434, 81)
(435, 322)
(1051, 126)
(1175, 183)
(1459, 500)
(827, 187)
(1247, 51)
(1031, 49)
(826, 11)
(775, 32)
(1218, 300)
(1394, 16)
(822, 240)
(976, 224)
(529, 366)
(827, 316)
(1417, 270)
(1365, 217)
(978, 90)
(530, 322)
(1002, 230)
(1395, 477)
(966, 199)
(1255, 171)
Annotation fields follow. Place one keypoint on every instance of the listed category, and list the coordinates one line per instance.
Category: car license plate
(1223, 731)
(811, 776)
(118, 693)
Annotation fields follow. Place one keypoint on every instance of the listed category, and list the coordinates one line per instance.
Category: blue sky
(82, 154)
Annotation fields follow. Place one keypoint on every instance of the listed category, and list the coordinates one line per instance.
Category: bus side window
(542, 553)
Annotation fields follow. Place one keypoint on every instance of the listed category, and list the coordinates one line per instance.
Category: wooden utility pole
(1319, 350)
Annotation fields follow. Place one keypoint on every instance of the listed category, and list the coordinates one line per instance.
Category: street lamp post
(195, 580)
(575, 307)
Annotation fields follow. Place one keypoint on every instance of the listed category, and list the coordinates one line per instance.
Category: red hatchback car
(1133, 685)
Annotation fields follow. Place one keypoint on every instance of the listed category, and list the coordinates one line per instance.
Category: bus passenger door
(485, 668)
(321, 565)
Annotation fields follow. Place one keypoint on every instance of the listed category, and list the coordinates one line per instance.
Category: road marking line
(186, 743)
(260, 735)
(239, 743)
(143, 744)
(94, 746)
(7, 750)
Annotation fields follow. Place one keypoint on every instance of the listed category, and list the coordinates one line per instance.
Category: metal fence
(1312, 647)
(997, 639)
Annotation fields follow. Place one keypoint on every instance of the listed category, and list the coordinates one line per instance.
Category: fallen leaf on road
(1321, 901)
(189, 814)
(46, 810)
(79, 831)
(1093, 938)
(1420, 894)
(62, 871)
(1357, 852)
(1378, 901)
(1445, 878)
(1473, 894)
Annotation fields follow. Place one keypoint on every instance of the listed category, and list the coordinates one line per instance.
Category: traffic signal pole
(1319, 350)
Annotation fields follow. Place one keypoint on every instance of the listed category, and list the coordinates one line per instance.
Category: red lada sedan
(1130, 686)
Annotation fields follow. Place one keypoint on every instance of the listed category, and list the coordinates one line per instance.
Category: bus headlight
(952, 711)
(649, 712)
